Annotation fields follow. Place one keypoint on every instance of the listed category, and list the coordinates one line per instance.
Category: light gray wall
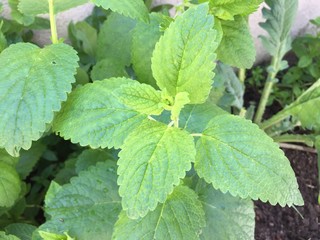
(308, 9)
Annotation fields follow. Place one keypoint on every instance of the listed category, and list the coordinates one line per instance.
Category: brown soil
(276, 223)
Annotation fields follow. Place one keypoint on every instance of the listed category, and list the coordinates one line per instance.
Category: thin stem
(267, 90)
(297, 147)
(176, 123)
(295, 138)
(242, 75)
(274, 119)
(53, 25)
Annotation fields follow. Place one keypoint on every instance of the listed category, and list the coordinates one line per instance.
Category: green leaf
(180, 100)
(9, 185)
(21, 230)
(7, 158)
(108, 68)
(179, 62)
(180, 217)
(305, 108)
(18, 16)
(29, 7)
(33, 82)
(83, 37)
(130, 8)
(237, 46)
(153, 159)
(3, 236)
(91, 157)
(226, 10)
(53, 236)
(88, 207)
(227, 217)
(195, 118)
(28, 159)
(93, 116)
(140, 97)
(234, 89)
(236, 156)
(114, 39)
(279, 20)
(145, 36)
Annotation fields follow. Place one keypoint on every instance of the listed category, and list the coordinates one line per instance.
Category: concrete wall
(308, 9)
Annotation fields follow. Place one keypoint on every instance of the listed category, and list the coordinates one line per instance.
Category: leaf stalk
(53, 24)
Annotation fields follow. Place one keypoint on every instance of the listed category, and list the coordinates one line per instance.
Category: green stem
(295, 138)
(148, 4)
(242, 75)
(53, 25)
(274, 119)
(267, 90)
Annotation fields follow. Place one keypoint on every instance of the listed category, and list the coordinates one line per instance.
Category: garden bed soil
(276, 223)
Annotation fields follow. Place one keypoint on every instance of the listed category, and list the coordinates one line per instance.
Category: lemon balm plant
(185, 169)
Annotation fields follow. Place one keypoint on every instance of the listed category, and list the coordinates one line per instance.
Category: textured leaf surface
(88, 206)
(234, 89)
(279, 20)
(236, 156)
(227, 217)
(93, 116)
(179, 62)
(114, 39)
(21, 230)
(130, 8)
(153, 159)
(236, 47)
(195, 118)
(180, 217)
(33, 83)
(140, 97)
(28, 159)
(108, 68)
(306, 107)
(227, 9)
(145, 36)
(90, 157)
(9, 185)
(3, 236)
(34, 7)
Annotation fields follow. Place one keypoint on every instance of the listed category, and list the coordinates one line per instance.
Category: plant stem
(297, 147)
(53, 25)
(242, 75)
(295, 138)
(274, 119)
(267, 90)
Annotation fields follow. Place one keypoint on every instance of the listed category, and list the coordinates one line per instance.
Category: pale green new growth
(140, 97)
(236, 156)
(228, 9)
(88, 207)
(34, 7)
(180, 217)
(93, 116)
(236, 47)
(9, 185)
(227, 217)
(33, 82)
(183, 59)
(130, 8)
(152, 160)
